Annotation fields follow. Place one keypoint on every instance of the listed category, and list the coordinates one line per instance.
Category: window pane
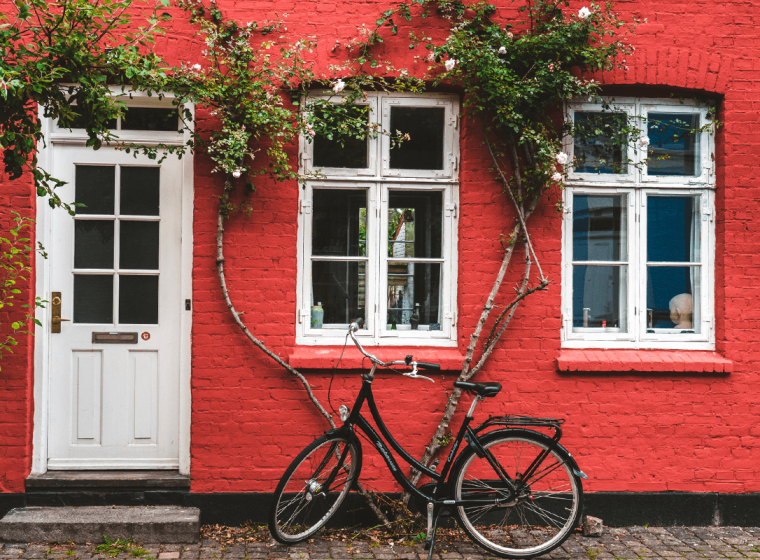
(600, 226)
(599, 142)
(93, 299)
(673, 298)
(414, 296)
(138, 300)
(346, 153)
(95, 189)
(673, 146)
(80, 121)
(424, 148)
(599, 297)
(673, 229)
(339, 288)
(139, 191)
(415, 224)
(93, 244)
(139, 245)
(340, 223)
(150, 118)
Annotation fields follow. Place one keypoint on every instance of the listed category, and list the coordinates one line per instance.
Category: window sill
(688, 361)
(325, 357)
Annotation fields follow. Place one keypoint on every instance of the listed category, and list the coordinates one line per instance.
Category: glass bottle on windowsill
(317, 315)
(414, 320)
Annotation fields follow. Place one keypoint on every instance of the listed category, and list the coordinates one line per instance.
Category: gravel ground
(624, 543)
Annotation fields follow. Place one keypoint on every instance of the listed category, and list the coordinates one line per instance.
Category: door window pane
(338, 287)
(414, 296)
(93, 244)
(599, 142)
(424, 147)
(93, 299)
(673, 298)
(599, 296)
(138, 300)
(673, 144)
(600, 226)
(150, 118)
(139, 245)
(340, 223)
(94, 187)
(673, 229)
(140, 191)
(415, 224)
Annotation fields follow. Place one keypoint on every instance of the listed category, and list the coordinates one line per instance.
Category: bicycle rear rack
(522, 421)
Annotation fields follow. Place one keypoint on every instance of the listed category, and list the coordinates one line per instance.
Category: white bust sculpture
(681, 309)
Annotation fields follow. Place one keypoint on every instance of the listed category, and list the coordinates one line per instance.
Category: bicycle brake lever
(415, 376)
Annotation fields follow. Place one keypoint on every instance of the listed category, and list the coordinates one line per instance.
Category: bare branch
(236, 316)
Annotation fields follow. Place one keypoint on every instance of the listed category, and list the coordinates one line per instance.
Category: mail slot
(114, 337)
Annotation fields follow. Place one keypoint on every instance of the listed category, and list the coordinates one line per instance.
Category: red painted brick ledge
(643, 360)
(325, 357)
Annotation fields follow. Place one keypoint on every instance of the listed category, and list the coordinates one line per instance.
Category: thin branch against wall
(519, 232)
(224, 201)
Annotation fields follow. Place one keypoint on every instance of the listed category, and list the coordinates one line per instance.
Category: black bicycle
(514, 490)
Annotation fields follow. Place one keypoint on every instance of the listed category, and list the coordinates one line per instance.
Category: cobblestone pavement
(631, 542)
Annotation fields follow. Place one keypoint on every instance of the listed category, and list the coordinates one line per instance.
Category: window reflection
(673, 239)
(673, 144)
(600, 253)
(599, 142)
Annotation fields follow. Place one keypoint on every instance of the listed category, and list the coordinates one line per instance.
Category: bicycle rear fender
(350, 435)
(550, 442)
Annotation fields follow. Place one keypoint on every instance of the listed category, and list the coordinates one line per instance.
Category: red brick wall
(644, 432)
(16, 375)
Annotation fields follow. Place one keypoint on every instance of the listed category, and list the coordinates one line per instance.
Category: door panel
(117, 267)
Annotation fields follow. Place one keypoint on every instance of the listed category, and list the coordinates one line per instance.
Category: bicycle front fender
(348, 434)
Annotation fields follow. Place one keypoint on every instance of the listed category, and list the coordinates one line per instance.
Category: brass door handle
(55, 326)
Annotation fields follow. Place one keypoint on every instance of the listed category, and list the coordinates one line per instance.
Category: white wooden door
(114, 365)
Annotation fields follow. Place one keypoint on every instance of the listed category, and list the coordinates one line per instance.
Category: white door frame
(42, 356)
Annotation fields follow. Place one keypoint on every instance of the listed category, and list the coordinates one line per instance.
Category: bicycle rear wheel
(546, 507)
(313, 487)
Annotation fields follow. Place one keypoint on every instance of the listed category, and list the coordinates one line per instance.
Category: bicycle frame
(355, 419)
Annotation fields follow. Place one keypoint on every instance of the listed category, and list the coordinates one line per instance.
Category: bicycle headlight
(343, 411)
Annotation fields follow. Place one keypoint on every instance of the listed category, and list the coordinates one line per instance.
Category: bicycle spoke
(305, 502)
(544, 506)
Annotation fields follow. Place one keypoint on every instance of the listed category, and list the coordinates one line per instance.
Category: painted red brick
(637, 421)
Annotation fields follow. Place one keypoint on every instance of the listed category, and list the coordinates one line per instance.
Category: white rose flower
(557, 177)
(197, 67)
(502, 50)
(237, 173)
(562, 158)
(431, 57)
(644, 141)
(450, 64)
(339, 85)
(584, 12)
(510, 35)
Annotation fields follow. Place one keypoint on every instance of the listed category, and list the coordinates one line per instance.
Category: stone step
(146, 524)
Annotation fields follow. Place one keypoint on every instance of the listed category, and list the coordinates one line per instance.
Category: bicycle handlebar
(353, 327)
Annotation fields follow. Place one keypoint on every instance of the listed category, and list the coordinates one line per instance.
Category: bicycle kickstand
(432, 527)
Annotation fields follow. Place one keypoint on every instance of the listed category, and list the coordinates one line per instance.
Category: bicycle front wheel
(312, 488)
(541, 514)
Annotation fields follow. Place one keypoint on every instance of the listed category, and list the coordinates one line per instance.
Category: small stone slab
(164, 524)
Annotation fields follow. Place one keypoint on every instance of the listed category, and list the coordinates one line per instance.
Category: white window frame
(379, 182)
(638, 186)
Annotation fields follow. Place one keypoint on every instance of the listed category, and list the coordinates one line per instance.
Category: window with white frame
(378, 227)
(638, 230)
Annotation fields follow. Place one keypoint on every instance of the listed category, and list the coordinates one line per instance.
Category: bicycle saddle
(481, 389)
